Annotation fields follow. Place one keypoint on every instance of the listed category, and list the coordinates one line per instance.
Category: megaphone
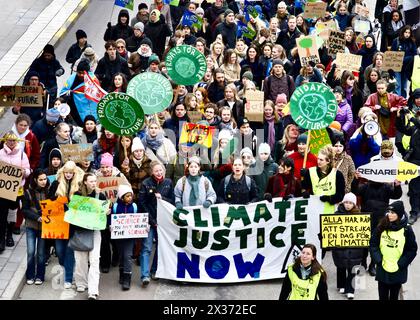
(371, 128)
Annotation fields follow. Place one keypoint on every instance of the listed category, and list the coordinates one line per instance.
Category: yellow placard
(407, 171)
(345, 230)
(197, 134)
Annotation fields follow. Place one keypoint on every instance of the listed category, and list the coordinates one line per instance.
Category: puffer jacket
(17, 158)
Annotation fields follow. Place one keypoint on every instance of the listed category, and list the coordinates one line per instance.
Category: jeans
(125, 249)
(146, 251)
(401, 85)
(35, 255)
(65, 258)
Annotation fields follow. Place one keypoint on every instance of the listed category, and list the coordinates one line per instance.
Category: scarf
(147, 54)
(61, 140)
(20, 136)
(108, 145)
(138, 163)
(241, 55)
(396, 25)
(194, 182)
(306, 271)
(153, 143)
(349, 92)
(158, 180)
(271, 139)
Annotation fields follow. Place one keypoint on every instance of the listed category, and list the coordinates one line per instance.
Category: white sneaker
(38, 282)
(30, 281)
(80, 289)
(93, 297)
(350, 296)
(67, 285)
(341, 290)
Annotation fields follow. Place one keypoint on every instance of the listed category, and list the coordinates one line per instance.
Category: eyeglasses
(120, 47)
(246, 157)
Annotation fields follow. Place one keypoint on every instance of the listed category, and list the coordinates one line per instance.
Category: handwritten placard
(362, 26)
(197, 134)
(10, 179)
(109, 186)
(393, 60)
(345, 230)
(128, 226)
(307, 50)
(254, 107)
(27, 96)
(348, 61)
(361, 10)
(319, 139)
(77, 152)
(336, 42)
(53, 224)
(314, 10)
(88, 213)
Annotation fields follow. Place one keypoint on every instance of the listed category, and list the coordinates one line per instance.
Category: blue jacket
(409, 47)
(356, 145)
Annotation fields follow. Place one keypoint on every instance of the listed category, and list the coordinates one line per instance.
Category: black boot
(9, 238)
(126, 281)
(2, 245)
(121, 276)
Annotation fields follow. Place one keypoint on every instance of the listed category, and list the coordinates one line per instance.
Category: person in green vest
(305, 279)
(324, 180)
(393, 247)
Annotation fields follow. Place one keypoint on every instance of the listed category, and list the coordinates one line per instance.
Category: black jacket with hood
(120, 30)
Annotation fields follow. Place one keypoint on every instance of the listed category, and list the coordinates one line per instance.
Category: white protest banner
(77, 152)
(254, 107)
(10, 179)
(389, 170)
(129, 225)
(235, 243)
(336, 42)
(393, 60)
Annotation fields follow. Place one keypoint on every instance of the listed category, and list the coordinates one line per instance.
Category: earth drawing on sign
(185, 66)
(120, 114)
(313, 107)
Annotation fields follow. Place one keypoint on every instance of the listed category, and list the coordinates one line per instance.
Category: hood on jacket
(123, 13)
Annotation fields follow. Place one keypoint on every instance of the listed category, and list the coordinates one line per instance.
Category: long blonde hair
(78, 173)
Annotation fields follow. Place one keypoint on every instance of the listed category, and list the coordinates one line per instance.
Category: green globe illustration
(153, 94)
(120, 114)
(313, 107)
(185, 67)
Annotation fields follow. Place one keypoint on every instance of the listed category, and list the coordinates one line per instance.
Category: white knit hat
(123, 189)
(137, 144)
(246, 150)
(264, 148)
(224, 134)
(350, 197)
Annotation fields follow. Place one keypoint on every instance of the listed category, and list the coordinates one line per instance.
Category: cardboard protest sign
(345, 230)
(415, 78)
(319, 139)
(361, 10)
(109, 186)
(259, 240)
(389, 171)
(314, 10)
(307, 50)
(393, 60)
(195, 116)
(362, 26)
(120, 113)
(128, 226)
(348, 61)
(77, 152)
(254, 107)
(197, 134)
(88, 213)
(53, 224)
(27, 96)
(322, 28)
(313, 106)
(152, 91)
(336, 42)
(10, 180)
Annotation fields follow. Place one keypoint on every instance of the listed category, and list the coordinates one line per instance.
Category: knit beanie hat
(335, 125)
(52, 115)
(228, 11)
(107, 160)
(137, 144)
(397, 207)
(83, 66)
(89, 52)
(264, 148)
(277, 61)
(89, 117)
(142, 6)
(224, 134)
(303, 138)
(55, 153)
(199, 10)
(123, 189)
(80, 34)
(194, 159)
(49, 49)
(339, 90)
(139, 26)
(153, 58)
(248, 75)
(242, 121)
(147, 41)
(281, 98)
(350, 197)
(246, 150)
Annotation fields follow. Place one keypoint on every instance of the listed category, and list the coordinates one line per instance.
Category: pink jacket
(16, 158)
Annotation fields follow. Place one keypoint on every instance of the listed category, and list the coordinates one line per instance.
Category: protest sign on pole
(129, 225)
(235, 243)
(345, 230)
(348, 61)
(307, 50)
(393, 60)
(197, 134)
(109, 186)
(10, 179)
(254, 107)
(319, 139)
(53, 224)
(27, 96)
(77, 152)
(389, 171)
(314, 10)
(336, 42)
(87, 212)
(361, 10)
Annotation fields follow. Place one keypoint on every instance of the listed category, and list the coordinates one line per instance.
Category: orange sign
(53, 224)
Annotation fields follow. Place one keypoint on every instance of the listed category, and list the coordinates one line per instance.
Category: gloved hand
(325, 198)
(206, 203)
(179, 205)
(303, 172)
(288, 197)
(108, 25)
(306, 195)
(268, 197)
(59, 72)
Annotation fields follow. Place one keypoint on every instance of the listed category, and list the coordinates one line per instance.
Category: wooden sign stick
(306, 149)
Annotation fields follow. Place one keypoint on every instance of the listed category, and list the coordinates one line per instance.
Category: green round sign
(120, 113)
(313, 106)
(152, 90)
(186, 65)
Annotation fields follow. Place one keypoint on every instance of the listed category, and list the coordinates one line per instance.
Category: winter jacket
(410, 51)
(311, 161)
(42, 130)
(136, 175)
(74, 53)
(47, 72)
(347, 257)
(281, 185)
(363, 148)
(46, 149)
(157, 33)
(367, 55)
(315, 77)
(273, 86)
(165, 153)
(237, 108)
(261, 180)
(228, 32)
(31, 208)
(414, 132)
(133, 43)
(216, 92)
(107, 68)
(79, 136)
(345, 165)
(31, 146)
(408, 254)
(287, 40)
(166, 13)
(17, 158)
(205, 190)
(147, 199)
(237, 191)
(119, 31)
(344, 116)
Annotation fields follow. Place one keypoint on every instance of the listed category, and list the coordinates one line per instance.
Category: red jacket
(311, 161)
(32, 150)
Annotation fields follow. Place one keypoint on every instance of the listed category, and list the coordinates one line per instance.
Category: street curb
(16, 283)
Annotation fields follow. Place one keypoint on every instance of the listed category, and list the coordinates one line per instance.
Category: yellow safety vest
(325, 186)
(303, 289)
(391, 246)
(406, 139)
